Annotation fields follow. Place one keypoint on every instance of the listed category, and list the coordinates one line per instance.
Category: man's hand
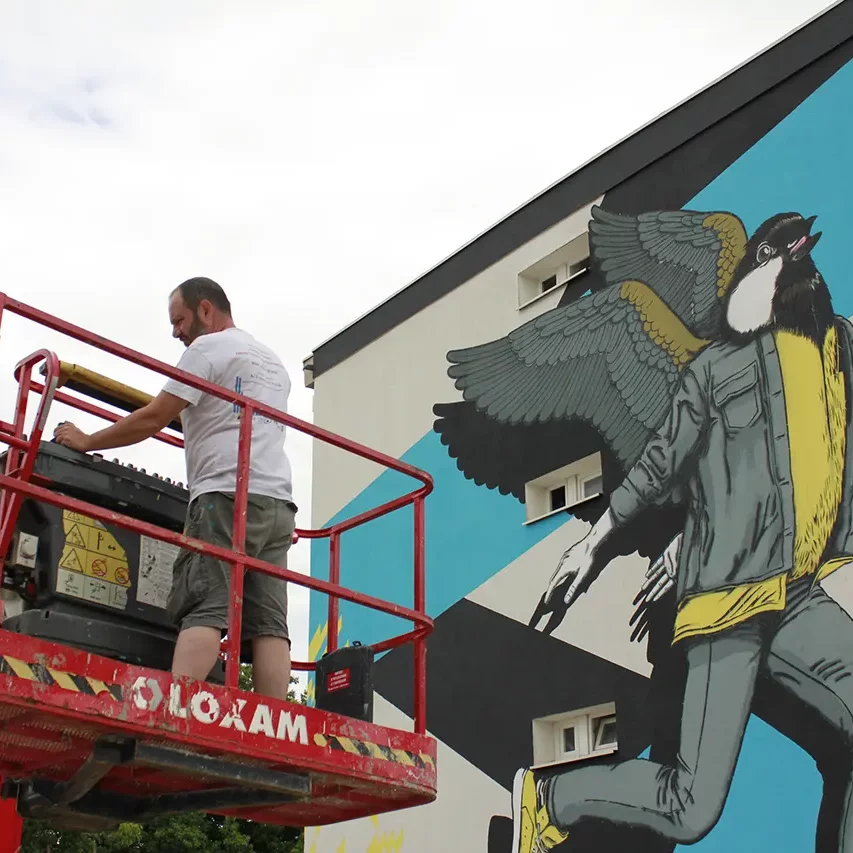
(71, 436)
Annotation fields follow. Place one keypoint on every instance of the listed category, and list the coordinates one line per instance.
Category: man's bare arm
(136, 427)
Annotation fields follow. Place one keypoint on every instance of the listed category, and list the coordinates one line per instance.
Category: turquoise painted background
(805, 164)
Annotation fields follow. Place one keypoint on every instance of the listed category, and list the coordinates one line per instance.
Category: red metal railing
(20, 460)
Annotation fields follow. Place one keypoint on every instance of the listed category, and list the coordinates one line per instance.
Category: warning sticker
(93, 566)
(156, 559)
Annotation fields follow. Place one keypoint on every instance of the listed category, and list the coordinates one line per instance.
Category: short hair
(194, 290)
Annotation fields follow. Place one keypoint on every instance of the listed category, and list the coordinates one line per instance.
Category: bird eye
(763, 253)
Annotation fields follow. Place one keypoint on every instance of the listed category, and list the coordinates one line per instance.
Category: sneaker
(533, 831)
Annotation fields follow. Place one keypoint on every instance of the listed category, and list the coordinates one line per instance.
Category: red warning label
(339, 680)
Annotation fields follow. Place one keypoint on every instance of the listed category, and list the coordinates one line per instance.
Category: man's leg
(271, 666)
(811, 657)
(684, 801)
(198, 601)
(196, 652)
(265, 598)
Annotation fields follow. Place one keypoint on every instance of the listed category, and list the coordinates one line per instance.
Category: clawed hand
(574, 566)
(573, 569)
(660, 579)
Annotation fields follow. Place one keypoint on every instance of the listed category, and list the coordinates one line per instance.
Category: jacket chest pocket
(738, 398)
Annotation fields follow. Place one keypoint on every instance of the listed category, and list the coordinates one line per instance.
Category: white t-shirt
(235, 360)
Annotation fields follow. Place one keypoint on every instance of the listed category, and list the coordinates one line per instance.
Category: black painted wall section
(489, 676)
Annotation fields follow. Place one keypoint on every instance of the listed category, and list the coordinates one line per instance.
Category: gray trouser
(807, 650)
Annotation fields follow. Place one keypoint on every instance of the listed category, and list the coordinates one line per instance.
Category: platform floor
(127, 742)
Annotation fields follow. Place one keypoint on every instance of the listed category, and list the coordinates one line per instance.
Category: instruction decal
(156, 559)
(93, 565)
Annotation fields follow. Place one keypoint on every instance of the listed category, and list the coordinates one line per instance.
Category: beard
(196, 329)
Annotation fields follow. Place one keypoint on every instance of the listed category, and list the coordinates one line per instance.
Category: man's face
(186, 324)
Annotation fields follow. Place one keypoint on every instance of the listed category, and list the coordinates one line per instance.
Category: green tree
(183, 833)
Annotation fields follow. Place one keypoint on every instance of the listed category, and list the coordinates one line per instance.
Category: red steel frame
(15, 484)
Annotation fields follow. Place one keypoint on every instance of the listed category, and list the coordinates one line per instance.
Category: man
(758, 438)
(221, 353)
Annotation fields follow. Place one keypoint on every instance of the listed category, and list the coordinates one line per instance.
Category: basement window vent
(562, 489)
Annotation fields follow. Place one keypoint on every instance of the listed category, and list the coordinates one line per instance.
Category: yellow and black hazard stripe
(374, 750)
(57, 678)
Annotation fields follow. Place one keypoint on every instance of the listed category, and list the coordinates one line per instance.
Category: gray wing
(612, 359)
(687, 257)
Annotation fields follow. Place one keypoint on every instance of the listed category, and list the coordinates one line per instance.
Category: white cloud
(313, 158)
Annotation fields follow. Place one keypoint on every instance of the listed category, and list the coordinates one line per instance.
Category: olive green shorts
(201, 584)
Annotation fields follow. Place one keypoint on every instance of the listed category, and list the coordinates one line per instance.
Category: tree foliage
(183, 833)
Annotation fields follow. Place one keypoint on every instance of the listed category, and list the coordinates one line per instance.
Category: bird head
(776, 270)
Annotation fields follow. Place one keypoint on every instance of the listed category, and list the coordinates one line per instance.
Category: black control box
(90, 585)
(344, 682)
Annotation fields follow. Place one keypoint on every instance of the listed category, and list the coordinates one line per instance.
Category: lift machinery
(93, 728)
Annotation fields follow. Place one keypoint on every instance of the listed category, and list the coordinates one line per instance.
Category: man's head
(197, 307)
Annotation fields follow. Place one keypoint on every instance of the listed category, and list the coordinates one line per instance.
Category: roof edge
(321, 364)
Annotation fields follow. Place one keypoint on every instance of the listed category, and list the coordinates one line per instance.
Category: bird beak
(803, 246)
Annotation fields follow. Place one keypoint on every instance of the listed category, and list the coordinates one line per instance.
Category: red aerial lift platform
(87, 741)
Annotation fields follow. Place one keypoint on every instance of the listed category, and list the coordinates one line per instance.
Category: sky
(313, 158)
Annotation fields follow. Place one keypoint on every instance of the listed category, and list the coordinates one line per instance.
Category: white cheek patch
(751, 302)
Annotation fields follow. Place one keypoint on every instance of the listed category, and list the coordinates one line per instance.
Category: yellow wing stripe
(373, 750)
(662, 325)
(733, 239)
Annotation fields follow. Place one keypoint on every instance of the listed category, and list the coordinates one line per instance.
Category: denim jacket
(724, 448)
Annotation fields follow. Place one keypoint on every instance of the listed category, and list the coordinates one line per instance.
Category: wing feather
(688, 258)
(611, 359)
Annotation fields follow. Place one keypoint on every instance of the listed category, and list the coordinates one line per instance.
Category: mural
(715, 375)
(494, 663)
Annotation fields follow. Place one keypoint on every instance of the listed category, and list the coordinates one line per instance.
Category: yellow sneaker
(533, 831)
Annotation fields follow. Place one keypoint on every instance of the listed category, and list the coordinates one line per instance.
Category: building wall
(490, 673)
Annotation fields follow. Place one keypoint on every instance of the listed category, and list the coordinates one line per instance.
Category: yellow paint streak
(387, 842)
(733, 239)
(313, 847)
(316, 648)
(661, 325)
(318, 641)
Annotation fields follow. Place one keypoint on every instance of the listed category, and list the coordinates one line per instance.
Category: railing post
(238, 544)
(22, 462)
(334, 601)
(420, 606)
(11, 826)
